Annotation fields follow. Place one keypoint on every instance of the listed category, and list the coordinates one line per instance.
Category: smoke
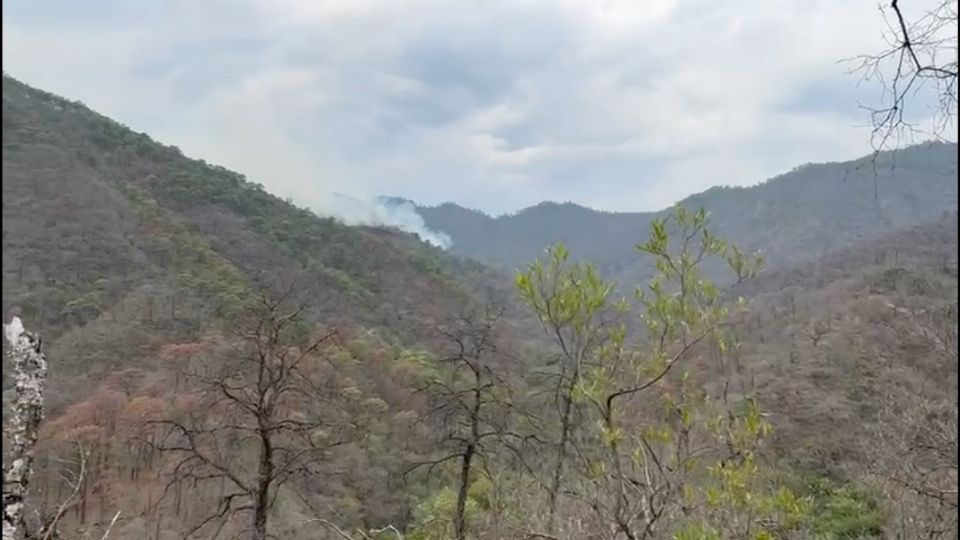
(257, 145)
(383, 212)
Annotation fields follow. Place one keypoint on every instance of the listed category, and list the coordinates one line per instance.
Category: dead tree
(73, 476)
(257, 423)
(470, 402)
(913, 449)
(30, 374)
(920, 52)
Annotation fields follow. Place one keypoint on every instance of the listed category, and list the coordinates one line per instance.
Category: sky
(495, 105)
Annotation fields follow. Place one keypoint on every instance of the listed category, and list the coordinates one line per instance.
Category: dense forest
(769, 362)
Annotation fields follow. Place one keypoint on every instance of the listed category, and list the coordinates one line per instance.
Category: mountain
(798, 216)
(112, 241)
(136, 263)
(862, 336)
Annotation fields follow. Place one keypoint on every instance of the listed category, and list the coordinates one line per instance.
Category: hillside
(137, 264)
(141, 268)
(855, 357)
(834, 343)
(798, 216)
(113, 241)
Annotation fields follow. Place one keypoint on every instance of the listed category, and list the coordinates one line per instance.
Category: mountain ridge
(831, 205)
(102, 224)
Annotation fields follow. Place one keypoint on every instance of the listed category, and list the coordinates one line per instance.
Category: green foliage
(433, 518)
(85, 305)
(198, 267)
(563, 294)
(845, 512)
(697, 531)
(188, 234)
(178, 232)
(343, 281)
(612, 376)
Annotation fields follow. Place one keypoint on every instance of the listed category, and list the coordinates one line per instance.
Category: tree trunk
(30, 373)
(460, 519)
(264, 476)
(620, 512)
(561, 455)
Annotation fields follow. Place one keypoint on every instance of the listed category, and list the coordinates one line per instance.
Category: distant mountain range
(810, 211)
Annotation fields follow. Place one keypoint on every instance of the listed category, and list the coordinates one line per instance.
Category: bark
(30, 373)
(565, 420)
(467, 457)
(461, 516)
(263, 482)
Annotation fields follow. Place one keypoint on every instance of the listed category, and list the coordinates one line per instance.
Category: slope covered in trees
(111, 239)
(798, 216)
(855, 357)
(137, 264)
(225, 364)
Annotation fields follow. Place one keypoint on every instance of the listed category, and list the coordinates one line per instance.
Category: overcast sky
(495, 105)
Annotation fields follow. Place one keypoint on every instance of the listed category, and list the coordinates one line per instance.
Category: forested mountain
(416, 394)
(130, 258)
(103, 227)
(798, 216)
(855, 355)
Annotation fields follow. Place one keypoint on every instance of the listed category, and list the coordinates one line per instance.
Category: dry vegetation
(223, 363)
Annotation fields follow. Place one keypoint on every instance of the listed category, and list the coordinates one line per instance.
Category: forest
(188, 355)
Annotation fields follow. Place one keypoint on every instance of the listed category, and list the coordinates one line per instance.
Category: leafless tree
(258, 421)
(913, 447)
(920, 54)
(471, 401)
(914, 455)
(73, 476)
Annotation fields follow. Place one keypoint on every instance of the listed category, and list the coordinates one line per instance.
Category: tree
(653, 453)
(255, 420)
(913, 449)
(471, 401)
(920, 54)
(571, 302)
(30, 373)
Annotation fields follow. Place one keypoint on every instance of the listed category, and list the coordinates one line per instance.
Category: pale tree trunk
(29, 374)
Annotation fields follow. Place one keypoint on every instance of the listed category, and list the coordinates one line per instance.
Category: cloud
(497, 104)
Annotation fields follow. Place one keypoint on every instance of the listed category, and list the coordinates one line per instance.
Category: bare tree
(914, 459)
(73, 476)
(913, 447)
(257, 423)
(920, 54)
(471, 401)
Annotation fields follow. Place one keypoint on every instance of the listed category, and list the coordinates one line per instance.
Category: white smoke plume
(384, 212)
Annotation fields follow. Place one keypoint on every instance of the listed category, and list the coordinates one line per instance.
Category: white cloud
(495, 104)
